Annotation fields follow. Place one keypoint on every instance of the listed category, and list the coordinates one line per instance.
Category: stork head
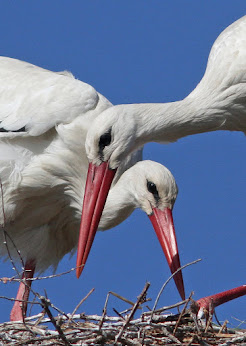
(111, 137)
(150, 187)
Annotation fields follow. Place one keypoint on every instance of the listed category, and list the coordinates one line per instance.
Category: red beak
(99, 179)
(162, 221)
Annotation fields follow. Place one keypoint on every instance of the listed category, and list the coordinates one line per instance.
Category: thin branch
(215, 315)
(241, 322)
(53, 306)
(140, 300)
(20, 300)
(224, 326)
(169, 279)
(165, 308)
(81, 302)
(45, 303)
(104, 311)
(5, 279)
(119, 314)
(182, 312)
(122, 298)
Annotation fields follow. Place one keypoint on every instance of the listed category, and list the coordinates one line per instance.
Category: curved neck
(119, 205)
(167, 122)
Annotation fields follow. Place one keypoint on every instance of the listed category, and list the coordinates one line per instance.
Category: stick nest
(152, 328)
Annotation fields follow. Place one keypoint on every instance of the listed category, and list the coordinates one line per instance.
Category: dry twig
(167, 281)
(141, 298)
(81, 302)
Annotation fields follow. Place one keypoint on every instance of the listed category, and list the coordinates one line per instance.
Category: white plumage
(217, 103)
(44, 119)
(43, 167)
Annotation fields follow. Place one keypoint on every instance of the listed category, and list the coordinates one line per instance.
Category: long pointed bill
(99, 179)
(162, 222)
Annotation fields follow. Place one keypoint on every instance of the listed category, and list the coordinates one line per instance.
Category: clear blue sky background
(145, 51)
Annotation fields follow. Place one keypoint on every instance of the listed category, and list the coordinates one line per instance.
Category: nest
(154, 327)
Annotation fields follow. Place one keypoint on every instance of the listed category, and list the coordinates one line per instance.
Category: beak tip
(178, 277)
(180, 286)
(79, 270)
(183, 295)
(179, 282)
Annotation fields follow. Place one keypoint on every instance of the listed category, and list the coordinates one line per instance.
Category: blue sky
(145, 51)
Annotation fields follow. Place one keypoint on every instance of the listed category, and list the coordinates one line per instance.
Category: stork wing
(33, 100)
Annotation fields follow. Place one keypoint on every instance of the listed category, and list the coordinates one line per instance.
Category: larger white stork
(217, 103)
(45, 117)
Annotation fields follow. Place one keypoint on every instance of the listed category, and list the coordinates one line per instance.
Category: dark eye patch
(153, 189)
(104, 141)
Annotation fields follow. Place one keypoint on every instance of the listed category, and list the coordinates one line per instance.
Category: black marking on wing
(23, 129)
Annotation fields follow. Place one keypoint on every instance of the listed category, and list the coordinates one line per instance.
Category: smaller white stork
(147, 185)
(44, 119)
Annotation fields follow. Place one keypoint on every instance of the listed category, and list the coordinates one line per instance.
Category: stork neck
(167, 122)
(119, 205)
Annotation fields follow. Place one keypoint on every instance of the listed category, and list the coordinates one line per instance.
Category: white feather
(217, 103)
(43, 167)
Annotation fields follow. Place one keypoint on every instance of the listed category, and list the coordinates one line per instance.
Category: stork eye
(152, 189)
(105, 140)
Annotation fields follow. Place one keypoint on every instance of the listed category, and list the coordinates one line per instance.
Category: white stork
(44, 119)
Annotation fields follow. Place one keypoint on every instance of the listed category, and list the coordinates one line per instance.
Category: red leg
(18, 311)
